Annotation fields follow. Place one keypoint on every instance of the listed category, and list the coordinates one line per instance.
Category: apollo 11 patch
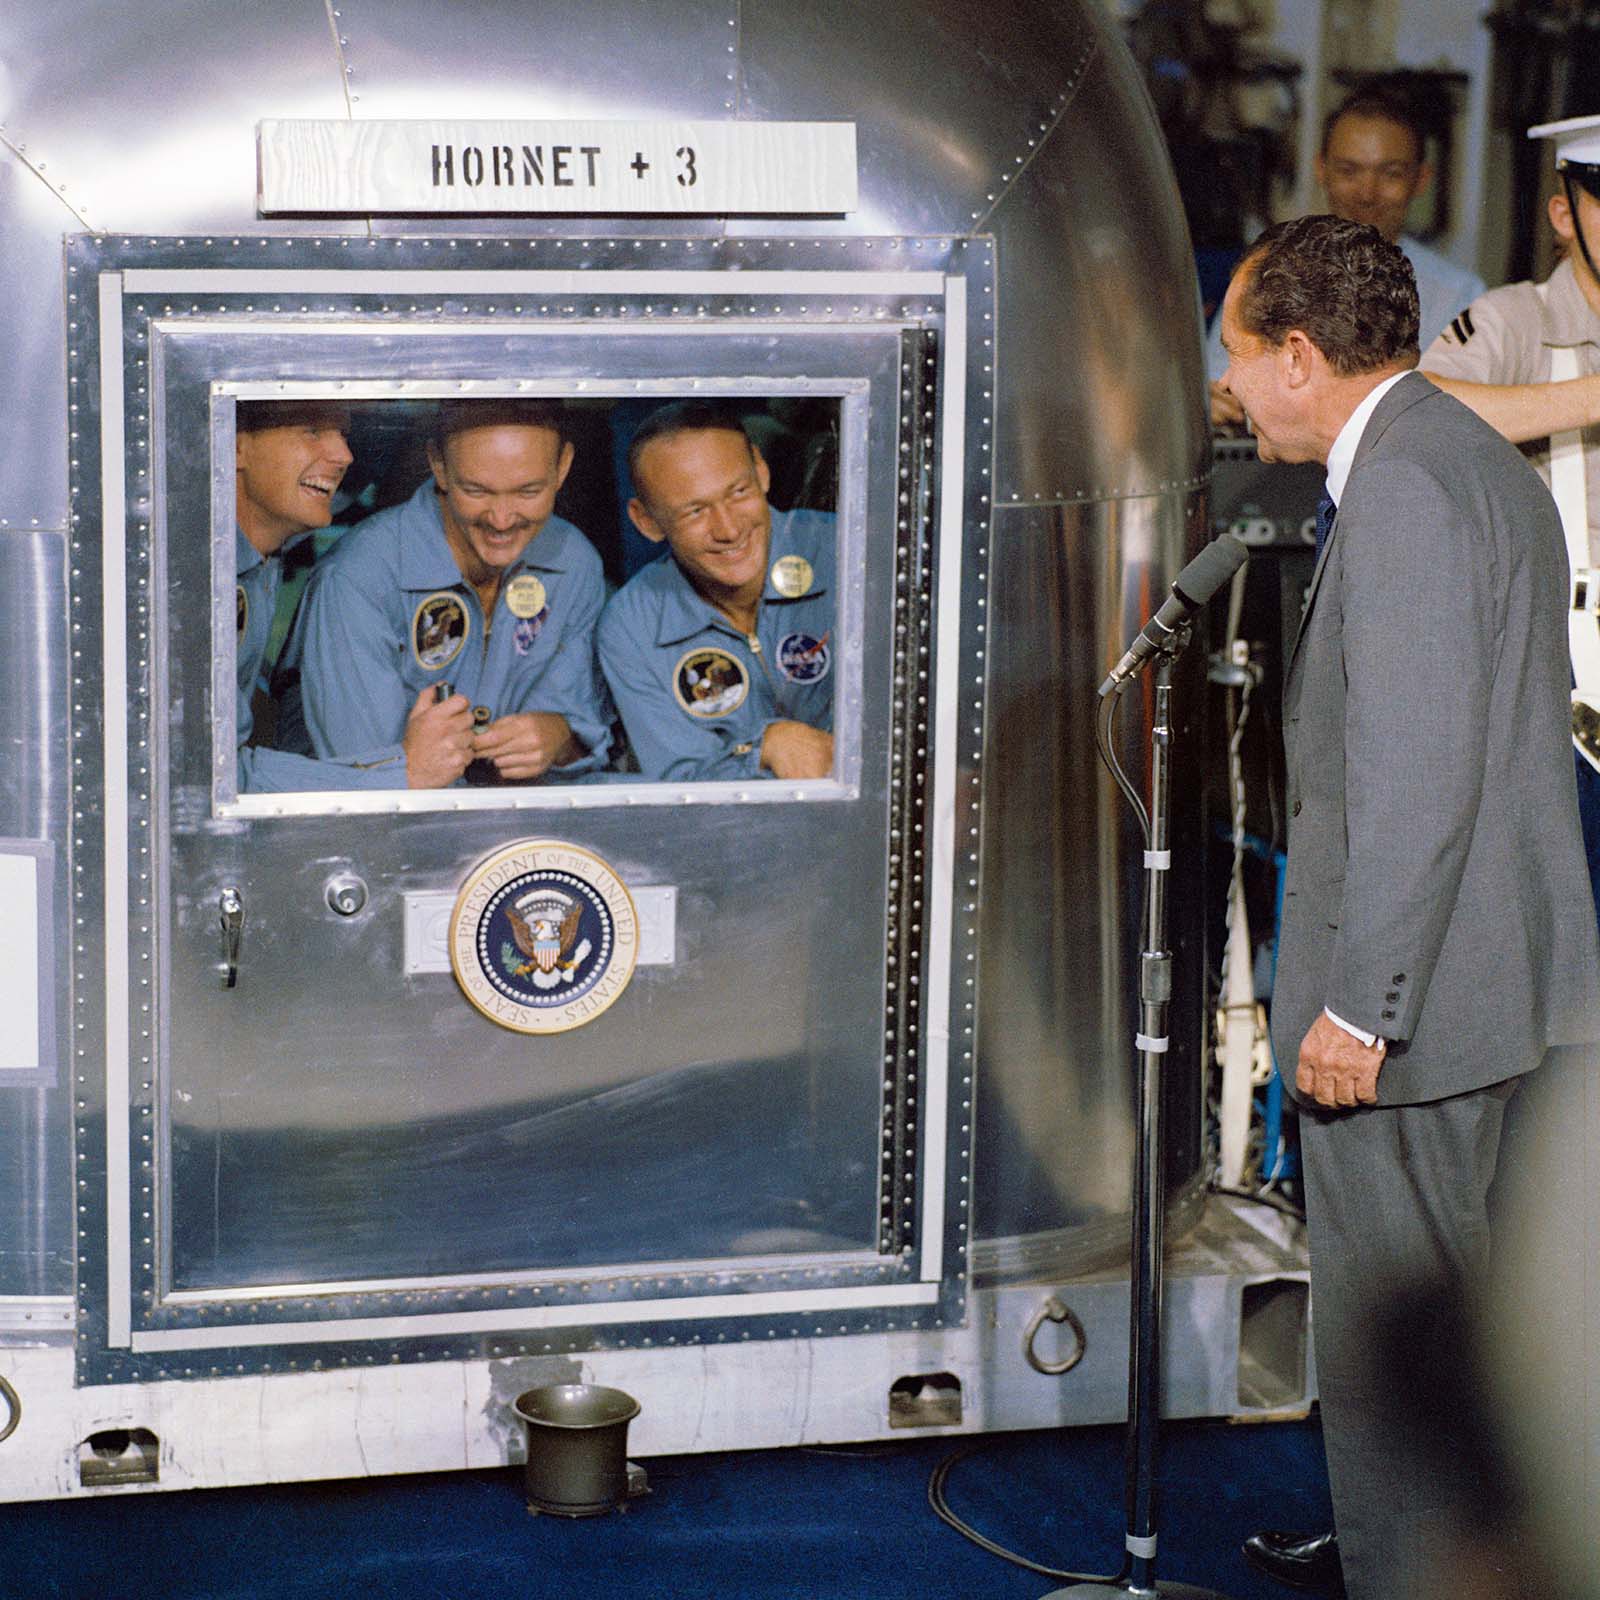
(543, 937)
(710, 683)
(439, 630)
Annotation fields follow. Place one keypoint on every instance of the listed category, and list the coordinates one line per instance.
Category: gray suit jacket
(1436, 890)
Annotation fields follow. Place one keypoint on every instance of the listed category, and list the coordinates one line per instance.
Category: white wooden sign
(599, 168)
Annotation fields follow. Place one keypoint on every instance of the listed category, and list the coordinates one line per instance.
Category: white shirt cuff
(1368, 1039)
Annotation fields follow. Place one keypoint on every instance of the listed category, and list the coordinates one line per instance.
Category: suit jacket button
(1388, 1016)
(1399, 977)
(1294, 810)
(1393, 995)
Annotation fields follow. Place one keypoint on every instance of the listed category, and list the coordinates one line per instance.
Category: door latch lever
(231, 905)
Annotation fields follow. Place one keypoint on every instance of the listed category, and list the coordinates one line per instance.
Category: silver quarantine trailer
(307, 1165)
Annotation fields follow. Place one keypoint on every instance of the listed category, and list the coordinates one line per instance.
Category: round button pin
(792, 576)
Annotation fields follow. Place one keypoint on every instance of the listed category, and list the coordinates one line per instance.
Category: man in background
(1372, 165)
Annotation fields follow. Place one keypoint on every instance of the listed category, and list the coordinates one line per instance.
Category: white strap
(1569, 490)
(1567, 484)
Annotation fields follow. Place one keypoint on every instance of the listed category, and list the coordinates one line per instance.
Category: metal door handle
(231, 905)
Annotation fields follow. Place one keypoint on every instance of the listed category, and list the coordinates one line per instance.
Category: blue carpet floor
(809, 1524)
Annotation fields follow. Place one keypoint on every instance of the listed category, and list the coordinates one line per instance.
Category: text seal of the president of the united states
(543, 937)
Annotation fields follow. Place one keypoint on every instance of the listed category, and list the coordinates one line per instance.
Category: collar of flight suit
(246, 558)
(686, 612)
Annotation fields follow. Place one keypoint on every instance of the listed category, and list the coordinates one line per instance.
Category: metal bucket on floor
(577, 1447)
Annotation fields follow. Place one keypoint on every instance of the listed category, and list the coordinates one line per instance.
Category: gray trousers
(1398, 1209)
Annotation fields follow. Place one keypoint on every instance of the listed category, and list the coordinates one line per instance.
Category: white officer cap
(1577, 142)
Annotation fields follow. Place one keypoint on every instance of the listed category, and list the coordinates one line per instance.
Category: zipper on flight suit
(772, 683)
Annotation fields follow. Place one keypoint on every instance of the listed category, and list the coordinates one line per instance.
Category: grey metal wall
(1023, 119)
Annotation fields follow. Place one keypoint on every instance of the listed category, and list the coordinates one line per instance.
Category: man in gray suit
(1437, 935)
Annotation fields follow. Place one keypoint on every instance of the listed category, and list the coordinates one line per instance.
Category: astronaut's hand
(525, 745)
(437, 740)
(1226, 412)
(796, 750)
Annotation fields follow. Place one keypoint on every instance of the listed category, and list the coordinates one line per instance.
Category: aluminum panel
(1099, 356)
(567, 58)
(188, 80)
(950, 99)
(35, 1123)
(294, 1148)
(33, 582)
(33, 386)
(1062, 855)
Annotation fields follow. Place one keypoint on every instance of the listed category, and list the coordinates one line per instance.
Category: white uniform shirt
(1507, 335)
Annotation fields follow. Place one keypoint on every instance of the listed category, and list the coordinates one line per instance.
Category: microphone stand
(1137, 1576)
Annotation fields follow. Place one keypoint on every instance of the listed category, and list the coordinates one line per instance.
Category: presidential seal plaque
(543, 937)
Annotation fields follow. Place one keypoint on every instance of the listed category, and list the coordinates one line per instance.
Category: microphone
(1195, 586)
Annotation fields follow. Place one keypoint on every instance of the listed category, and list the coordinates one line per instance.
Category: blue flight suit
(695, 694)
(389, 613)
(266, 771)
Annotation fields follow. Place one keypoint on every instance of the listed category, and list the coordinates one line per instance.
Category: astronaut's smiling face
(1372, 171)
(288, 476)
(497, 486)
(705, 492)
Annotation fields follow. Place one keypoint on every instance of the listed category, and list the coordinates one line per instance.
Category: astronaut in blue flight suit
(474, 585)
(290, 457)
(720, 657)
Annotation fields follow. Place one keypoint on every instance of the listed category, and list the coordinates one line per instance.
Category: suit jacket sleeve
(1419, 627)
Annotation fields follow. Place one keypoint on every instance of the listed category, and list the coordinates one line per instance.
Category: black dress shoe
(1303, 1561)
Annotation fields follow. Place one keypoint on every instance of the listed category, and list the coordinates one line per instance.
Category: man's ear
(564, 465)
(1560, 210)
(639, 516)
(1297, 354)
(436, 466)
(763, 471)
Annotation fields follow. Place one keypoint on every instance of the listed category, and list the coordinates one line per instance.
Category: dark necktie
(1326, 512)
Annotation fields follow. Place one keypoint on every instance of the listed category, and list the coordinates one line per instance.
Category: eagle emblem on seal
(544, 925)
(544, 936)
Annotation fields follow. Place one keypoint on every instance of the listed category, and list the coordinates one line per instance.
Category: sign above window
(564, 167)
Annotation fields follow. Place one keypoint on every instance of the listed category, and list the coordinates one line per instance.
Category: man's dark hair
(1388, 101)
(1350, 291)
(256, 416)
(508, 411)
(683, 416)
